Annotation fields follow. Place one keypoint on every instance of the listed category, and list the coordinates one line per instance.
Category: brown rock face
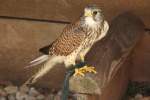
(67, 10)
(19, 43)
(141, 60)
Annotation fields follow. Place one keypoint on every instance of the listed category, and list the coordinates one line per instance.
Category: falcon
(73, 44)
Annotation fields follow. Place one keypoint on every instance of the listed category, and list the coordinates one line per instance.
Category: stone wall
(68, 10)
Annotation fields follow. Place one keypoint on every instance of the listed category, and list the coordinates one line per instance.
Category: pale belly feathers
(83, 48)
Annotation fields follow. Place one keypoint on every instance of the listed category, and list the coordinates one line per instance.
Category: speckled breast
(90, 40)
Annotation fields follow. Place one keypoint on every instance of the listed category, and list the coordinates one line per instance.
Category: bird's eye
(95, 12)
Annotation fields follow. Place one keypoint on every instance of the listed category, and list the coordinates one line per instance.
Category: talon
(89, 69)
(83, 70)
(78, 72)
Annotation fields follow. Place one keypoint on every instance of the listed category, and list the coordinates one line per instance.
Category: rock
(87, 85)
(80, 97)
(21, 96)
(138, 97)
(59, 93)
(11, 97)
(40, 97)
(24, 89)
(3, 92)
(57, 97)
(30, 98)
(2, 98)
(25, 93)
(50, 97)
(11, 89)
(33, 92)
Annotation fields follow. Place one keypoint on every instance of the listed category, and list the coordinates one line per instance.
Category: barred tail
(51, 62)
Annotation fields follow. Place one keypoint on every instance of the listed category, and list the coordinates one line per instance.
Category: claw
(83, 70)
(90, 69)
(78, 72)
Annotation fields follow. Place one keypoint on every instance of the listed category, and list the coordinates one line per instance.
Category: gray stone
(84, 85)
(3, 92)
(138, 97)
(11, 97)
(40, 97)
(33, 92)
(24, 89)
(57, 97)
(21, 96)
(30, 98)
(2, 98)
(50, 97)
(11, 89)
(81, 97)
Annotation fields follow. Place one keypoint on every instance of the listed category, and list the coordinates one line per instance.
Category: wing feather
(45, 49)
(70, 39)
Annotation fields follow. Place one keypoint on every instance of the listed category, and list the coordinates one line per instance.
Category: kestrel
(73, 44)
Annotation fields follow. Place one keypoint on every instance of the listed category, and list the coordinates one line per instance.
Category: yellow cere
(88, 13)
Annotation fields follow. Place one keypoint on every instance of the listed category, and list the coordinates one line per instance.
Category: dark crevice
(147, 29)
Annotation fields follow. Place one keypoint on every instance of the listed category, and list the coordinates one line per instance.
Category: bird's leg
(84, 69)
(82, 57)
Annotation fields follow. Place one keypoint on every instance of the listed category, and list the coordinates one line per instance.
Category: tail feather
(38, 61)
(51, 62)
(40, 58)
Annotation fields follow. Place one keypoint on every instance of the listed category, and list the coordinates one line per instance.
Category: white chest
(90, 22)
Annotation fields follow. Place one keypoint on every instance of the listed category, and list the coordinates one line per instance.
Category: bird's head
(92, 15)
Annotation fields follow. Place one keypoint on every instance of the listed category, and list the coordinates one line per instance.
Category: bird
(73, 44)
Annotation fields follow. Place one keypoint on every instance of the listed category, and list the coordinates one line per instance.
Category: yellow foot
(83, 70)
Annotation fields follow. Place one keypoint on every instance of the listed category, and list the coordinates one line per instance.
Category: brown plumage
(74, 42)
(69, 40)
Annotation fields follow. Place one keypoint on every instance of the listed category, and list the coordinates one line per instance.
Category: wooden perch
(109, 54)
